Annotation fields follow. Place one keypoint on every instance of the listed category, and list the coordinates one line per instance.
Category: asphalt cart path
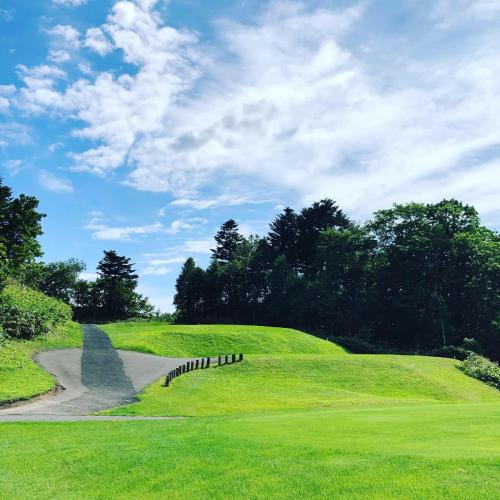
(91, 379)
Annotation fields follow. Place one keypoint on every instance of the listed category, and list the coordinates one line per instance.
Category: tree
(320, 216)
(436, 282)
(228, 240)
(189, 297)
(284, 234)
(56, 279)
(117, 283)
(20, 226)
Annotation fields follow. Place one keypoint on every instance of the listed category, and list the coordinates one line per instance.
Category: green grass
(298, 418)
(20, 377)
(280, 382)
(427, 451)
(210, 340)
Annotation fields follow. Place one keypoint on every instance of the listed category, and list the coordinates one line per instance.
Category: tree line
(111, 296)
(416, 277)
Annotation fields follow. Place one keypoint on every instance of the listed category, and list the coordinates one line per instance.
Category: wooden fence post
(202, 363)
(227, 359)
(220, 360)
(241, 357)
(197, 364)
(208, 362)
(233, 358)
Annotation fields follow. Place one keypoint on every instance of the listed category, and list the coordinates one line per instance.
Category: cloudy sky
(142, 125)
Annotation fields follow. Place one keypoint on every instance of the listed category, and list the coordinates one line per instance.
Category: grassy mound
(211, 340)
(282, 382)
(430, 451)
(20, 377)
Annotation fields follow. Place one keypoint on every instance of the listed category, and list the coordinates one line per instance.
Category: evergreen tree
(20, 226)
(228, 240)
(117, 282)
(189, 297)
(284, 234)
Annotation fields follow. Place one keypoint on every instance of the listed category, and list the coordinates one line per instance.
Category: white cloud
(58, 56)
(197, 246)
(14, 166)
(53, 183)
(155, 271)
(97, 41)
(217, 201)
(69, 3)
(102, 231)
(288, 102)
(6, 92)
(66, 33)
(450, 13)
(13, 133)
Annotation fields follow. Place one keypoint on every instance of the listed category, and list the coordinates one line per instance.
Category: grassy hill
(317, 374)
(211, 340)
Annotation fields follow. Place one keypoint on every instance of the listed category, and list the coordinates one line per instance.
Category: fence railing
(202, 364)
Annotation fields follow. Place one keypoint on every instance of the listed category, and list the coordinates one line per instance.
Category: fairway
(431, 451)
(299, 417)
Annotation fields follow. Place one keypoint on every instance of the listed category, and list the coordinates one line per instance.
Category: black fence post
(220, 360)
(233, 358)
(197, 364)
(241, 357)
(202, 363)
(208, 362)
(227, 359)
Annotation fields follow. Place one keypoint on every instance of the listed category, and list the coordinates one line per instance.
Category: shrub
(25, 313)
(482, 368)
(451, 351)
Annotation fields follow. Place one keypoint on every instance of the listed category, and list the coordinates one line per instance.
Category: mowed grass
(280, 382)
(20, 377)
(211, 340)
(420, 452)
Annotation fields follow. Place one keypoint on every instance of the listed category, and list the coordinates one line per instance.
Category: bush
(482, 368)
(451, 351)
(25, 313)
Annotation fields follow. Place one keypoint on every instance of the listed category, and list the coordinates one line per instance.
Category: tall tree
(320, 216)
(117, 282)
(189, 299)
(284, 234)
(20, 226)
(228, 240)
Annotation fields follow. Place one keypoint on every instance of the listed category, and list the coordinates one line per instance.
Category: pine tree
(117, 282)
(189, 297)
(228, 240)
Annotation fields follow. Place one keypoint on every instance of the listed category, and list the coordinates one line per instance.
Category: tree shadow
(102, 368)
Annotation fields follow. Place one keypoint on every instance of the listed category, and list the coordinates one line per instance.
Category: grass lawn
(20, 377)
(426, 451)
(279, 382)
(211, 340)
(299, 417)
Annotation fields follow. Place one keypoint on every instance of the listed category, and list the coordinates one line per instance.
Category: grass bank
(20, 377)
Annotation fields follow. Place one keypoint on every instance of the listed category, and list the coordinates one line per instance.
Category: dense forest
(415, 278)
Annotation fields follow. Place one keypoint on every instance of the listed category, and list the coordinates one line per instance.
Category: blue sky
(142, 125)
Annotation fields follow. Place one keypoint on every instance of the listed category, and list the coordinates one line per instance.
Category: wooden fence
(202, 364)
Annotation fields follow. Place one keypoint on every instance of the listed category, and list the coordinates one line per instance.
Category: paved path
(94, 378)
